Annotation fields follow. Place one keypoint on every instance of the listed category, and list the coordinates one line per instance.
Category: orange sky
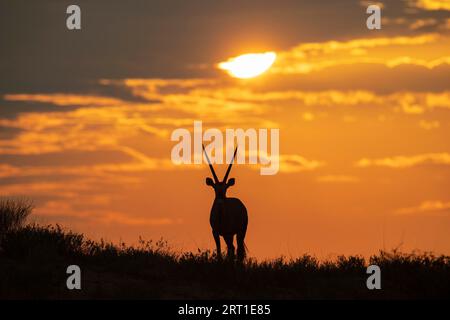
(364, 136)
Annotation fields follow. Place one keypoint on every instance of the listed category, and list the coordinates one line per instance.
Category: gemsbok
(228, 215)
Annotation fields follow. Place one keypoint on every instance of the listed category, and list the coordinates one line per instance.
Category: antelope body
(228, 215)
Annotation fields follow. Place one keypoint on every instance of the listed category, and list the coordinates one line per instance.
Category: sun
(248, 65)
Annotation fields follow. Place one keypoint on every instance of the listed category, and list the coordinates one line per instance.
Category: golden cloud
(65, 190)
(58, 208)
(431, 5)
(207, 100)
(85, 129)
(151, 164)
(337, 179)
(388, 51)
(429, 125)
(110, 127)
(406, 161)
(425, 207)
(292, 163)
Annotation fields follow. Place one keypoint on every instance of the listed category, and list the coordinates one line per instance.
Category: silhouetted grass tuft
(13, 213)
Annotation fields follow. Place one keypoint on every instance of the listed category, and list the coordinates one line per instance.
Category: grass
(13, 213)
(33, 262)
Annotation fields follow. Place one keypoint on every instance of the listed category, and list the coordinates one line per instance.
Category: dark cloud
(8, 132)
(68, 158)
(151, 39)
(10, 109)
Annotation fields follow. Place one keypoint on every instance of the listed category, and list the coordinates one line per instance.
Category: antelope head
(220, 187)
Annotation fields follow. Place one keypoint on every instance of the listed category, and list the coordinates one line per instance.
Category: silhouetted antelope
(228, 215)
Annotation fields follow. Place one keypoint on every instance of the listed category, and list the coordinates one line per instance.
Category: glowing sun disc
(248, 65)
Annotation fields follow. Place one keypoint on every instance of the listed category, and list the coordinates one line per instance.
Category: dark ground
(33, 262)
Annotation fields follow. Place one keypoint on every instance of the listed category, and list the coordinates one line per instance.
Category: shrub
(13, 213)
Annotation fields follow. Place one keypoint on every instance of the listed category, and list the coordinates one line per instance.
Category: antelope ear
(209, 181)
(230, 182)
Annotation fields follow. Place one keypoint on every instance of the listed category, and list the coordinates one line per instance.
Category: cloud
(406, 161)
(156, 88)
(292, 163)
(431, 5)
(418, 103)
(446, 25)
(394, 21)
(57, 189)
(288, 163)
(326, 97)
(366, 3)
(407, 102)
(84, 129)
(150, 164)
(200, 98)
(337, 179)
(425, 207)
(224, 100)
(420, 23)
(388, 51)
(429, 125)
(111, 128)
(56, 208)
(64, 99)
